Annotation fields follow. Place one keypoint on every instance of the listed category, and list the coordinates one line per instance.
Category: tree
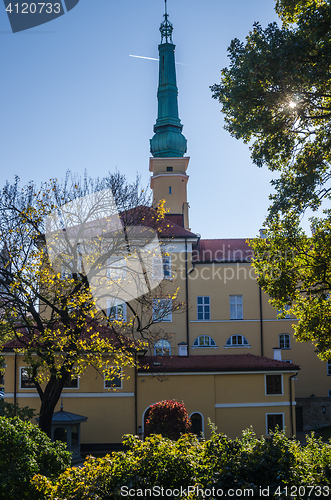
(169, 418)
(276, 95)
(24, 452)
(62, 245)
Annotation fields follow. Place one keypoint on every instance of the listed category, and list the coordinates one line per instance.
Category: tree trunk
(49, 400)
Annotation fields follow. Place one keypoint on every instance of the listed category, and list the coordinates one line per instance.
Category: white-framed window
(162, 348)
(116, 268)
(162, 310)
(197, 423)
(72, 382)
(26, 378)
(237, 341)
(116, 312)
(204, 341)
(284, 341)
(274, 420)
(165, 272)
(236, 307)
(116, 380)
(286, 308)
(329, 367)
(274, 384)
(203, 308)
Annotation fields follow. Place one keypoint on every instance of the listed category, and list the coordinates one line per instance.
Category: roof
(66, 417)
(223, 250)
(171, 226)
(104, 333)
(213, 363)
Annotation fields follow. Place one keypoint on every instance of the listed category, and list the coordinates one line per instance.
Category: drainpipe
(261, 321)
(15, 383)
(135, 393)
(291, 405)
(186, 298)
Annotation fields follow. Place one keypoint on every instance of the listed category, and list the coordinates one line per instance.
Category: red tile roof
(225, 250)
(104, 333)
(171, 226)
(213, 363)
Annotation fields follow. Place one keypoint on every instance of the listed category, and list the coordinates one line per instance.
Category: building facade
(228, 356)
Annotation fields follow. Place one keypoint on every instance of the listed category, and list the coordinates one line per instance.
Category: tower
(168, 145)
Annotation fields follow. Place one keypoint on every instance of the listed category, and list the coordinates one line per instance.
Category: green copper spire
(168, 140)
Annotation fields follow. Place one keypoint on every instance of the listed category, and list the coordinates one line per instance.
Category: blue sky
(73, 98)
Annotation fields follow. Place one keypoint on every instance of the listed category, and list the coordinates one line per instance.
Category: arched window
(204, 341)
(162, 348)
(197, 423)
(284, 341)
(237, 341)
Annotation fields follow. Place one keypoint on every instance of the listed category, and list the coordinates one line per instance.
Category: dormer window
(169, 169)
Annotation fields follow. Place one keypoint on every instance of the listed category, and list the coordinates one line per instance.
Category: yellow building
(227, 357)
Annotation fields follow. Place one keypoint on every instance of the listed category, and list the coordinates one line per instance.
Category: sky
(73, 98)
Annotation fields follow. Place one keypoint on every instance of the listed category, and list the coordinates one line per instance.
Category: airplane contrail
(153, 59)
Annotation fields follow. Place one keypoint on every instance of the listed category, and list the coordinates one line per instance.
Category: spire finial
(166, 27)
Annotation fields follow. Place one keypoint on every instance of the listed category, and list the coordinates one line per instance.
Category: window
(203, 307)
(329, 394)
(162, 348)
(71, 383)
(286, 308)
(116, 312)
(116, 379)
(274, 420)
(170, 191)
(237, 341)
(197, 424)
(329, 367)
(284, 341)
(169, 169)
(116, 269)
(162, 310)
(287, 360)
(26, 378)
(204, 341)
(157, 267)
(274, 384)
(236, 307)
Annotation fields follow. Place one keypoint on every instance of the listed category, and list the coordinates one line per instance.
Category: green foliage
(276, 95)
(25, 451)
(11, 410)
(168, 418)
(295, 270)
(220, 462)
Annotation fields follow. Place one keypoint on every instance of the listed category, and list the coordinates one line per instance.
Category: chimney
(277, 353)
(182, 349)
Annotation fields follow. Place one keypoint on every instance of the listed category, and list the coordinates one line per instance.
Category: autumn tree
(168, 418)
(72, 254)
(276, 96)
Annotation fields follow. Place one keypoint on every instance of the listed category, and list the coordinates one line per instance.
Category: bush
(11, 410)
(241, 463)
(25, 451)
(168, 418)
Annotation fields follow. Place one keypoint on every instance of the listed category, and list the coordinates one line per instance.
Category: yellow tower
(168, 145)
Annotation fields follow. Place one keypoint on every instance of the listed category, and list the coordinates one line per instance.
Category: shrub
(168, 418)
(25, 451)
(220, 463)
(11, 410)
